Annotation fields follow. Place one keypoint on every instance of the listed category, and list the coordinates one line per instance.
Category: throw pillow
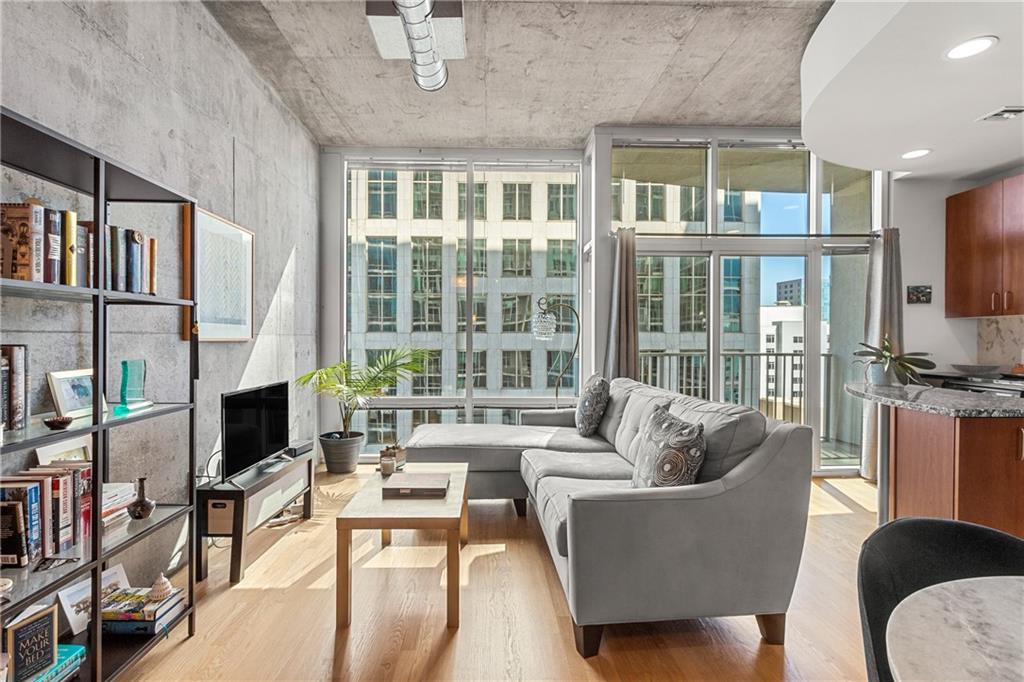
(590, 408)
(671, 451)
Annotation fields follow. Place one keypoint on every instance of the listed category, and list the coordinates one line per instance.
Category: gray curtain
(623, 358)
(883, 317)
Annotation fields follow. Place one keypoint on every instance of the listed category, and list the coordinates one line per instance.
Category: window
(650, 201)
(733, 207)
(763, 188)
(769, 349)
(515, 312)
(617, 200)
(382, 190)
(650, 293)
(427, 191)
(561, 258)
(380, 427)
(381, 283)
(557, 359)
(515, 369)
(426, 284)
(769, 338)
(479, 313)
(561, 201)
(691, 204)
(693, 293)
(649, 367)
(428, 382)
(845, 200)
(798, 339)
(479, 257)
(732, 303)
(479, 369)
(348, 195)
(516, 258)
(425, 417)
(372, 356)
(515, 201)
(566, 321)
(479, 201)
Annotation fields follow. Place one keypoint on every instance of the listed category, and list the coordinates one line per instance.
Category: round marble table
(969, 629)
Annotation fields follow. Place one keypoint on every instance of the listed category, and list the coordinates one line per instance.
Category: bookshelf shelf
(30, 148)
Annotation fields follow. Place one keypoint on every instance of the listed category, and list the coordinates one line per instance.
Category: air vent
(1004, 114)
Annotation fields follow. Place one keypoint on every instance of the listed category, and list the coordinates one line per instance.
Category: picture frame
(72, 392)
(76, 600)
(73, 450)
(224, 270)
(919, 294)
(32, 643)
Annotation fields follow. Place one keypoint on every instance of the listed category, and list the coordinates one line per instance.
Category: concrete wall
(919, 210)
(161, 88)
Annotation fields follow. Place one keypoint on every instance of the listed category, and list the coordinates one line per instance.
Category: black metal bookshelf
(31, 148)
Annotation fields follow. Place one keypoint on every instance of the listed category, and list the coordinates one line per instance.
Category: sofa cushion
(538, 464)
(494, 447)
(618, 394)
(731, 432)
(552, 504)
(670, 451)
(590, 409)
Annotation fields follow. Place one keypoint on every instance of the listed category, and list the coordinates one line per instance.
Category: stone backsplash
(1001, 340)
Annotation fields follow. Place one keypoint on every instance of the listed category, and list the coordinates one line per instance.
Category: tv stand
(247, 501)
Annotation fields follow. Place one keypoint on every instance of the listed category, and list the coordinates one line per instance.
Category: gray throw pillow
(671, 451)
(590, 408)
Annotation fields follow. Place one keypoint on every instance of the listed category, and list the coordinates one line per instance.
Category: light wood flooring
(278, 623)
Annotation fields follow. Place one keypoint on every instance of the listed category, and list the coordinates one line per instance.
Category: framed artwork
(73, 450)
(75, 601)
(224, 265)
(919, 293)
(71, 391)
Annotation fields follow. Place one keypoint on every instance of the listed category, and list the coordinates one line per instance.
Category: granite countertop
(943, 401)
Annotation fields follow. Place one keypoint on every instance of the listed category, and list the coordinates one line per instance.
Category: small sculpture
(162, 589)
(141, 507)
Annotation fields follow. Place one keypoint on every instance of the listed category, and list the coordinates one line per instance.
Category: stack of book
(129, 611)
(116, 498)
(14, 386)
(45, 511)
(40, 244)
(70, 658)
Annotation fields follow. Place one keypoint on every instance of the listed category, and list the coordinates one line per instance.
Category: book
(28, 493)
(21, 232)
(52, 246)
(32, 643)
(144, 285)
(84, 483)
(146, 627)
(115, 261)
(17, 384)
(152, 265)
(133, 261)
(82, 255)
(69, 246)
(73, 475)
(43, 544)
(13, 538)
(416, 485)
(132, 603)
(70, 658)
(5, 391)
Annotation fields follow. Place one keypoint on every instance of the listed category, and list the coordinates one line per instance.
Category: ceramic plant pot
(341, 454)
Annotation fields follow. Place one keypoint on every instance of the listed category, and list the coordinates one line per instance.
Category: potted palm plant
(887, 368)
(355, 388)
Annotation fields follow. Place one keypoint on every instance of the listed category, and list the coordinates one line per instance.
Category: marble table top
(943, 401)
(969, 629)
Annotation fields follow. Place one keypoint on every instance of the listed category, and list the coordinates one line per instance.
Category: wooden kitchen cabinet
(966, 468)
(985, 250)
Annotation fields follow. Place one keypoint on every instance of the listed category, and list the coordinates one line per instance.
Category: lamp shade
(543, 325)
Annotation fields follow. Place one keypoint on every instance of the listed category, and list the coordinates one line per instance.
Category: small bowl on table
(58, 423)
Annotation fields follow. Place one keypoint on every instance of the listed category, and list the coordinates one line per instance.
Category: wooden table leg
(385, 537)
(453, 577)
(344, 582)
(464, 523)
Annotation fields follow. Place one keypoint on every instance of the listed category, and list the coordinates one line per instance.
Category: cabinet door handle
(1007, 299)
(995, 301)
(1020, 450)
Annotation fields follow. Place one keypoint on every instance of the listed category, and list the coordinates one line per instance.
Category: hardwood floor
(278, 623)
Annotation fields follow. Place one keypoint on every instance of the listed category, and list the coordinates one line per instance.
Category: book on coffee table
(415, 485)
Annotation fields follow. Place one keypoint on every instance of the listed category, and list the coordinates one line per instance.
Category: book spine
(21, 227)
(85, 508)
(13, 538)
(17, 387)
(113, 257)
(67, 520)
(122, 242)
(91, 279)
(134, 261)
(5, 391)
(68, 241)
(28, 495)
(144, 288)
(82, 255)
(38, 239)
(52, 247)
(152, 266)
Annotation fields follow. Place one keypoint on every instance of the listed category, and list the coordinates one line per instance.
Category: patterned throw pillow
(590, 408)
(671, 451)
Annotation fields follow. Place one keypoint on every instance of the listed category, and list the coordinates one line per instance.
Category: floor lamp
(544, 324)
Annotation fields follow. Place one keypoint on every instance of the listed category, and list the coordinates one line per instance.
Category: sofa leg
(772, 627)
(588, 638)
(520, 503)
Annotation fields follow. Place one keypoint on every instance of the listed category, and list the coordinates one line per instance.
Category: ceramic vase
(141, 507)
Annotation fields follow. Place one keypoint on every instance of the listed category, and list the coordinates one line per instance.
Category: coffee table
(368, 510)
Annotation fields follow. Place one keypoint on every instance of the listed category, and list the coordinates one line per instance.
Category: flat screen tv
(254, 426)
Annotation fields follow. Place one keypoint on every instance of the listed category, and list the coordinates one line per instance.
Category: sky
(781, 213)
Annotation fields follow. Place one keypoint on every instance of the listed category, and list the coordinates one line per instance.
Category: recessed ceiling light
(916, 154)
(971, 47)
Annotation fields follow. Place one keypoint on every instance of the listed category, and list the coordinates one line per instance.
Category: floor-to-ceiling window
(461, 278)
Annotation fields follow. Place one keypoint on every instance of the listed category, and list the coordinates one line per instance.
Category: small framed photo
(73, 450)
(75, 601)
(72, 392)
(919, 293)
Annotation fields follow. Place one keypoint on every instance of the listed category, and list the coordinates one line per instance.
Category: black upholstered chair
(910, 554)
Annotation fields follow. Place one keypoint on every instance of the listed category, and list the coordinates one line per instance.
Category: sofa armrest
(726, 547)
(565, 416)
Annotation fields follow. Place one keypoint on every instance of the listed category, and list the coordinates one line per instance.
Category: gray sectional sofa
(728, 545)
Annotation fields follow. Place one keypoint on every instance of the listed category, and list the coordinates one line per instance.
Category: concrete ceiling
(539, 74)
